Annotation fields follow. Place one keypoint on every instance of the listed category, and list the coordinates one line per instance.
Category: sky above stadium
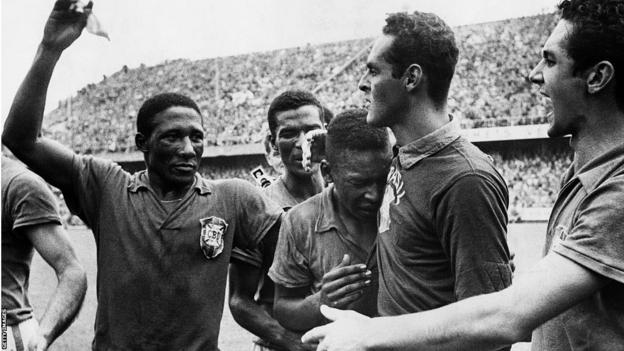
(152, 31)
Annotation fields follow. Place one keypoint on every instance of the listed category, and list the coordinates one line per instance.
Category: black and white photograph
(305, 175)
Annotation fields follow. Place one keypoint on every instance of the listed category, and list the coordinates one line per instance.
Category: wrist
(49, 49)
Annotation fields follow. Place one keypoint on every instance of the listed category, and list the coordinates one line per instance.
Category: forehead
(380, 47)
(176, 117)
(302, 116)
(363, 163)
(557, 42)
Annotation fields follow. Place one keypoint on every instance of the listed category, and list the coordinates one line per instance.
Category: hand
(64, 24)
(37, 343)
(347, 331)
(344, 283)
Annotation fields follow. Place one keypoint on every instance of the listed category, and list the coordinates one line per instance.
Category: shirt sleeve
(251, 257)
(31, 201)
(256, 215)
(84, 196)
(596, 239)
(472, 220)
(290, 266)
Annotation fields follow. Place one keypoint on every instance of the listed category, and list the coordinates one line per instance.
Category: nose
(187, 147)
(363, 84)
(373, 193)
(536, 75)
(300, 139)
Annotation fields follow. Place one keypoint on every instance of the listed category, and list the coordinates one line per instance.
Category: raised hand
(343, 285)
(64, 24)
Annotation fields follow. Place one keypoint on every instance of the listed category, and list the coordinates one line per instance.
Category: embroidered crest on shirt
(211, 237)
(393, 194)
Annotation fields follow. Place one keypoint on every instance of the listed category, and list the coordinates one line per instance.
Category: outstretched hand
(65, 24)
(344, 284)
(347, 332)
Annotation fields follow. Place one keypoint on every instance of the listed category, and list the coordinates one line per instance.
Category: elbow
(18, 146)
(512, 326)
(237, 306)
(281, 315)
(74, 276)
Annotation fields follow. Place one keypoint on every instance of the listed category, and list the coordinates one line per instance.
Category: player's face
(289, 133)
(360, 180)
(175, 146)
(555, 76)
(386, 95)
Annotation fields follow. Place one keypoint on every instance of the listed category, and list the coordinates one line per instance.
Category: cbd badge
(211, 237)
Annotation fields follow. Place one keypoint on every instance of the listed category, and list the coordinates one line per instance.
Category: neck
(303, 187)
(168, 192)
(601, 132)
(420, 121)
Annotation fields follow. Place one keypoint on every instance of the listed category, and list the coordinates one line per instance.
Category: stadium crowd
(490, 87)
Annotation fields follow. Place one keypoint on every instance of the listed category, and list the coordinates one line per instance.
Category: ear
(599, 76)
(141, 142)
(326, 171)
(413, 77)
(273, 145)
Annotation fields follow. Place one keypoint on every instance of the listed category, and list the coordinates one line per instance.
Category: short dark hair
(424, 39)
(157, 104)
(597, 34)
(328, 115)
(348, 131)
(291, 100)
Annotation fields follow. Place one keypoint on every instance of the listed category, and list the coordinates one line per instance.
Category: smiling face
(289, 133)
(359, 178)
(557, 80)
(388, 98)
(174, 147)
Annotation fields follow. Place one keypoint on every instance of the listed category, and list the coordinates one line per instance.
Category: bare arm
(22, 128)
(484, 322)
(244, 280)
(51, 242)
(297, 309)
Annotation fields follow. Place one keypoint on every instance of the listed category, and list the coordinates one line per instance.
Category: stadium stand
(490, 89)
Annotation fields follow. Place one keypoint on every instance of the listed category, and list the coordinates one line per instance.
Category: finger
(315, 335)
(333, 314)
(345, 301)
(333, 282)
(348, 290)
(338, 272)
(63, 5)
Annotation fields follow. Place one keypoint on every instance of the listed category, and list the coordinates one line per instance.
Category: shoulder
(26, 182)
(306, 212)
(232, 186)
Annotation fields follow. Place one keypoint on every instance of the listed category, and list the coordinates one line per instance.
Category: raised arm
(22, 129)
(51, 242)
(484, 322)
